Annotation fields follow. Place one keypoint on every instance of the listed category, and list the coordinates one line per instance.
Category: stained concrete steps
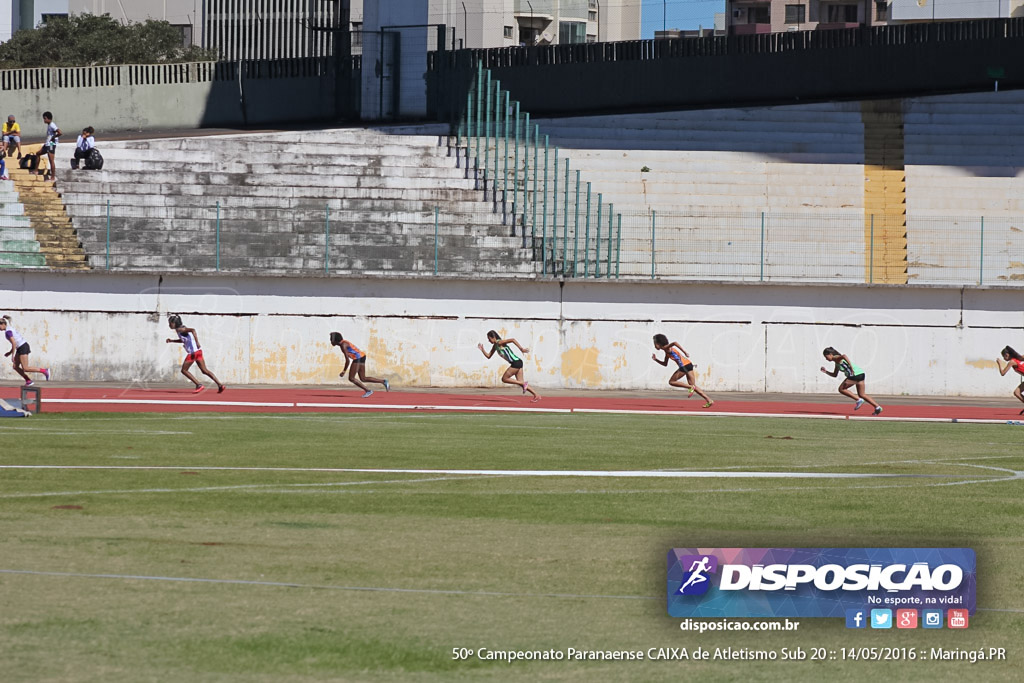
(510, 264)
(269, 223)
(127, 238)
(52, 227)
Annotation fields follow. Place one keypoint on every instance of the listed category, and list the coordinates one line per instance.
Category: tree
(90, 40)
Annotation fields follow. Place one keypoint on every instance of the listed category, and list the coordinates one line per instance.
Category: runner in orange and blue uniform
(357, 359)
(514, 372)
(684, 369)
(854, 376)
(1016, 361)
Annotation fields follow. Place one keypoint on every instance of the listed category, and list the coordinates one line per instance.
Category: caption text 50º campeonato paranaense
(736, 654)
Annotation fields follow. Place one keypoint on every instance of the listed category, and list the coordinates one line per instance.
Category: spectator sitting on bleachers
(86, 143)
(11, 137)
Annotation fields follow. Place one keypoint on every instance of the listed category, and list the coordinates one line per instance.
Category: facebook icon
(856, 618)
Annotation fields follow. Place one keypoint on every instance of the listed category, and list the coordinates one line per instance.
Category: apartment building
(746, 17)
(274, 29)
(16, 15)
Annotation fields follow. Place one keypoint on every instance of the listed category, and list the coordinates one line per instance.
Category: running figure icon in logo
(696, 582)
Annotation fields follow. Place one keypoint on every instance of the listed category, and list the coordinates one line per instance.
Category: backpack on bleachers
(29, 161)
(94, 161)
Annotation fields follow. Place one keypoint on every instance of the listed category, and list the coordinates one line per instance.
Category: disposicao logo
(817, 582)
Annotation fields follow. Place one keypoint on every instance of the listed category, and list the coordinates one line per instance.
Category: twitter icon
(881, 618)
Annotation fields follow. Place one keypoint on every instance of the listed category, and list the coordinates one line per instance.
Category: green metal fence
(543, 200)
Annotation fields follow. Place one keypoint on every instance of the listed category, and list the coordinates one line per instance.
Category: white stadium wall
(595, 335)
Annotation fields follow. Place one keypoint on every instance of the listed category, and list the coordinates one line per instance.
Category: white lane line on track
(616, 474)
(165, 402)
(809, 416)
(501, 409)
(370, 589)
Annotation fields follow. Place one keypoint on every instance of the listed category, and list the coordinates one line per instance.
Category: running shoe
(858, 404)
(29, 383)
(46, 374)
(526, 386)
(878, 411)
(709, 404)
(221, 388)
(368, 394)
(198, 389)
(387, 385)
(689, 394)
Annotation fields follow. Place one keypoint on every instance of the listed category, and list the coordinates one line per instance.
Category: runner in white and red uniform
(20, 350)
(188, 338)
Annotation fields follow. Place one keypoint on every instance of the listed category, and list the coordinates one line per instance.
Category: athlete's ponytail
(829, 351)
(174, 320)
(8, 319)
(1008, 351)
(493, 336)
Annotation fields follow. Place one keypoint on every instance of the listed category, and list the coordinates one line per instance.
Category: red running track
(320, 399)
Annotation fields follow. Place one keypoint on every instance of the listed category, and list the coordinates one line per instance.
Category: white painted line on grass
(369, 589)
(372, 589)
(615, 474)
(203, 489)
(45, 431)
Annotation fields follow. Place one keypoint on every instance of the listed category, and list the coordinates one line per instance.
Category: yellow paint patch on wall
(580, 366)
(981, 364)
(619, 362)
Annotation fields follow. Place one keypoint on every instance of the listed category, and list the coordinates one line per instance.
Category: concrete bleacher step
(22, 260)
(407, 265)
(292, 140)
(274, 223)
(122, 180)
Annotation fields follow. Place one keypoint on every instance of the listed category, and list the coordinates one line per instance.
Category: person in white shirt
(86, 143)
(20, 350)
(49, 147)
(188, 338)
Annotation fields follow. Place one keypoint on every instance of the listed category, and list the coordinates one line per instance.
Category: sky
(682, 14)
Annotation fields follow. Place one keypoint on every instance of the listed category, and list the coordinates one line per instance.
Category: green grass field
(388, 572)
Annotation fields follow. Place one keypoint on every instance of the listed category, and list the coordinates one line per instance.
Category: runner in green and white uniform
(854, 377)
(514, 373)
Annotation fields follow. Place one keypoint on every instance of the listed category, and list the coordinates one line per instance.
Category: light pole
(533, 26)
(664, 15)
